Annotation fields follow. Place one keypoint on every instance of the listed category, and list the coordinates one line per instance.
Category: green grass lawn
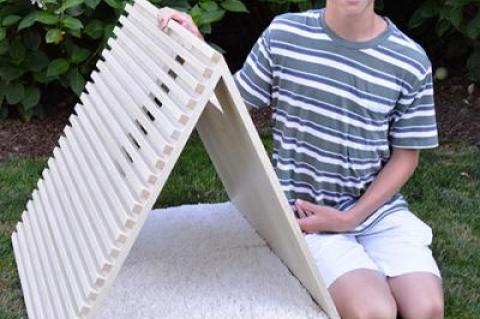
(444, 192)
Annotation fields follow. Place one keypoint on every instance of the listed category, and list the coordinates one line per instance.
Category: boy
(353, 105)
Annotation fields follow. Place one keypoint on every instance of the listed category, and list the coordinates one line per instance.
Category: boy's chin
(355, 7)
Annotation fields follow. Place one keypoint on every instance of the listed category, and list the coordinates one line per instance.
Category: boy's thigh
(337, 254)
(355, 283)
(400, 244)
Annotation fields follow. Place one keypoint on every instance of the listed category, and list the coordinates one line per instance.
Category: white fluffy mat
(204, 261)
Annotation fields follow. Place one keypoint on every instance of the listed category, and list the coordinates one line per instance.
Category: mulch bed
(458, 114)
(458, 122)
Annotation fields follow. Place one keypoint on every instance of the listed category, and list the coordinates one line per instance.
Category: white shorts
(397, 245)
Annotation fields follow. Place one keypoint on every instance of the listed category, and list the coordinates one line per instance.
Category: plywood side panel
(248, 176)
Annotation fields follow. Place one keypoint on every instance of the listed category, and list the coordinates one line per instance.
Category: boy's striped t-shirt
(339, 107)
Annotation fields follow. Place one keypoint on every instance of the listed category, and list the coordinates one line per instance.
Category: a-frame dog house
(151, 90)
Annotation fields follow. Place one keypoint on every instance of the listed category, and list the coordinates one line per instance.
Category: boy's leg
(418, 295)
(358, 289)
(363, 293)
(399, 246)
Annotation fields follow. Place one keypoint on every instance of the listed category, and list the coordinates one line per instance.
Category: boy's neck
(355, 25)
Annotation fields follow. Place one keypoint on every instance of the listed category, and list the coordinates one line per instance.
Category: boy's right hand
(166, 13)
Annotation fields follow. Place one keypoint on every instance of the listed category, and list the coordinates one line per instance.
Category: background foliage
(52, 44)
(57, 42)
(457, 25)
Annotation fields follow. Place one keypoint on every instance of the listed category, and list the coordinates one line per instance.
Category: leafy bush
(456, 20)
(57, 42)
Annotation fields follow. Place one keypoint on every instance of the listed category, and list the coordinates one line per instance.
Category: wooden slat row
(27, 275)
(177, 97)
(165, 62)
(120, 157)
(52, 231)
(202, 50)
(120, 110)
(174, 116)
(177, 93)
(98, 113)
(132, 98)
(175, 119)
(109, 165)
(142, 18)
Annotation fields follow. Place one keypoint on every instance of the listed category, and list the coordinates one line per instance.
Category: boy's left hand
(317, 218)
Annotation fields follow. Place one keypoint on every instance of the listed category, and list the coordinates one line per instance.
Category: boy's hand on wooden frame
(314, 218)
(167, 13)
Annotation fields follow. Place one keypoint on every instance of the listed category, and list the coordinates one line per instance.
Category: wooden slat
(41, 272)
(102, 157)
(154, 160)
(180, 95)
(204, 50)
(46, 271)
(80, 145)
(100, 111)
(75, 208)
(73, 256)
(130, 103)
(103, 254)
(191, 63)
(25, 276)
(82, 254)
(72, 219)
(134, 182)
(68, 276)
(182, 101)
(37, 282)
(171, 116)
(157, 141)
(165, 62)
(84, 196)
(69, 225)
(141, 96)
(59, 227)
(34, 304)
(155, 81)
(42, 222)
(102, 224)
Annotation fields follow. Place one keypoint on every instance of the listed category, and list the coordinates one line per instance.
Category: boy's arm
(412, 127)
(388, 182)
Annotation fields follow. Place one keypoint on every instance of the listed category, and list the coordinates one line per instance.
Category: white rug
(204, 261)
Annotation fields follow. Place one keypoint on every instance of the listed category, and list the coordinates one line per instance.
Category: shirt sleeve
(413, 124)
(254, 79)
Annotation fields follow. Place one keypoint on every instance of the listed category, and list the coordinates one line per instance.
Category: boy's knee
(425, 309)
(375, 310)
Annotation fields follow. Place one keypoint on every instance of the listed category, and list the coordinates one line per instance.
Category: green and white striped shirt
(338, 106)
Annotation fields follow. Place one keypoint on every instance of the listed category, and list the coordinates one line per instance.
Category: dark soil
(458, 121)
(458, 114)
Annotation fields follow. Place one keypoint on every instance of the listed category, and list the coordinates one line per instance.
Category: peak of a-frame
(201, 49)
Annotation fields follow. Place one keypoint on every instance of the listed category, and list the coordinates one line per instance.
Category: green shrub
(458, 21)
(57, 42)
